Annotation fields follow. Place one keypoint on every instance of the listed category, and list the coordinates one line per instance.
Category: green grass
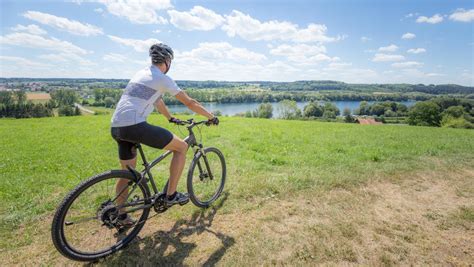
(42, 159)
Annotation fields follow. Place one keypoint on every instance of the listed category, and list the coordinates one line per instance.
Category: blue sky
(351, 41)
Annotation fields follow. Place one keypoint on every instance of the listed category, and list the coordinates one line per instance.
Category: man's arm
(193, 105)
(161, 107)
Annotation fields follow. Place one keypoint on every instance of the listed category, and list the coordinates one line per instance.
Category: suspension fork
(206, 162)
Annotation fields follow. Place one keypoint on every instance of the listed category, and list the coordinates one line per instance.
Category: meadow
(298, 192)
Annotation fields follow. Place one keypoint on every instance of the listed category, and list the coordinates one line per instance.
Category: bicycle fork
(203, 174)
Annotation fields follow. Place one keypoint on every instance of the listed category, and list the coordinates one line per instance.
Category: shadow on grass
(168, 248)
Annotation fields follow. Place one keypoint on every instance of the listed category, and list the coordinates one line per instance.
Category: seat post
(142, 155)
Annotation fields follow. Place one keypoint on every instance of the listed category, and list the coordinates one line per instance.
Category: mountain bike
(86, 225)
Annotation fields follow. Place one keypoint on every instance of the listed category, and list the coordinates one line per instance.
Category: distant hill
(309, 85)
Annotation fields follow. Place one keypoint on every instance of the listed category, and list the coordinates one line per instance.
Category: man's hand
(175, 120)
(214, 121)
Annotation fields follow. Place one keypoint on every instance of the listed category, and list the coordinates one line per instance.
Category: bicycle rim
(83, 229)
(206, 179)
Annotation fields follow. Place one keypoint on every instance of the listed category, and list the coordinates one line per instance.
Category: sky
(364, 41)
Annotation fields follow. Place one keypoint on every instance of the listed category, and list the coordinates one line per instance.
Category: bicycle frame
(146, 172)
(190, 140)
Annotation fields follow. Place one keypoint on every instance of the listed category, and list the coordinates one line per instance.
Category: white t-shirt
(136, 102)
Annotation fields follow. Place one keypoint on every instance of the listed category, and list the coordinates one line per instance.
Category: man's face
(168, 65)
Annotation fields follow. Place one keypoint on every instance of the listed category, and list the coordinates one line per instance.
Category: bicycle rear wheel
(206, 177)
(86, 225)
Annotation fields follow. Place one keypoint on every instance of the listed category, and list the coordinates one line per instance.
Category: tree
(456, 122)
(313, 109)
(288, 109)
(65, 111)
(364, 108)
(64, 97)
(329, 114)
(330, 107)
(426, 113)
(20, 97)
(77, 111)
(454, 111)
(347, 115)
(109, 102)
(377, 109)
(264, 110)
(6, 98)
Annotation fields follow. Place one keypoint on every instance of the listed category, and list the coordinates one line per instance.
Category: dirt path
(83, 109)
(422, 218)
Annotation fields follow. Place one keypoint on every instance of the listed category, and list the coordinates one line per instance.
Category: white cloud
(99, 10)
(408, 36)
(114, 57)
(214, 52)
(138, 11)
(387, 58)
(390, 48)
(71, 26)
(302, 53)
(463, 15)
(407, 64)
(32, 28)
(433, 74)
(411, 15)
(338, 65)
(365, 39)
(437, 18)
(138, 45)
(36, 41)
(198, 18)
(156, 31)
(416, 50)
(24, 62)
(248, 28)
(67, 57)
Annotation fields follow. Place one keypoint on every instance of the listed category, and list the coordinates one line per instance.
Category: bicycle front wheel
(206, 177)
(89, 223)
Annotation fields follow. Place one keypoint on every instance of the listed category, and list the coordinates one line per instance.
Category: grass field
(298, 192)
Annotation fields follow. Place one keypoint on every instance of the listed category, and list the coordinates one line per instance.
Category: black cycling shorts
(142, 133)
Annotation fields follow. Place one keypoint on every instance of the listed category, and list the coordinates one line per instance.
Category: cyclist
(143, 92)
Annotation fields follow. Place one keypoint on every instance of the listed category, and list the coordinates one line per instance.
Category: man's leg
(123, 183)
(179, 148)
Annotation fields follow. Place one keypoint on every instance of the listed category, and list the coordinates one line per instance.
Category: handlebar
(191, 122)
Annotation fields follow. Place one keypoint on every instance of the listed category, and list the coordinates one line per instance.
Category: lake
(234, 108)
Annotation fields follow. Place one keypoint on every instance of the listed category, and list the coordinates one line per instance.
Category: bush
(426, 113)
(66, 111)
(313, 109)
(264, 110)
(289, 110)
(109, 102)
(453, 122)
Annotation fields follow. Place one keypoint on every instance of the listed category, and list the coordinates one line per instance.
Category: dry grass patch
(415, 218)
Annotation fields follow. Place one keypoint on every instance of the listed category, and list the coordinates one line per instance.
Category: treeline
(444, 112)
(333, 85)
(14, 105)
(438, 112)
(386, 109)
(243, 96)
(104, 97)
(309, 85)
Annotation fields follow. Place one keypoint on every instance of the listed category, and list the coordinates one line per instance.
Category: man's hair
(160, 53)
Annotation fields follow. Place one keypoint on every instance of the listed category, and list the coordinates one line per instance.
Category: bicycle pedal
(183, 203)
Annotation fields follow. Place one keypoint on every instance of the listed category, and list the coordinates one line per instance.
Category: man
(143, 92)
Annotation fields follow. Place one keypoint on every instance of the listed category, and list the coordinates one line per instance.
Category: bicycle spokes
(207, 177)
(94, 220)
